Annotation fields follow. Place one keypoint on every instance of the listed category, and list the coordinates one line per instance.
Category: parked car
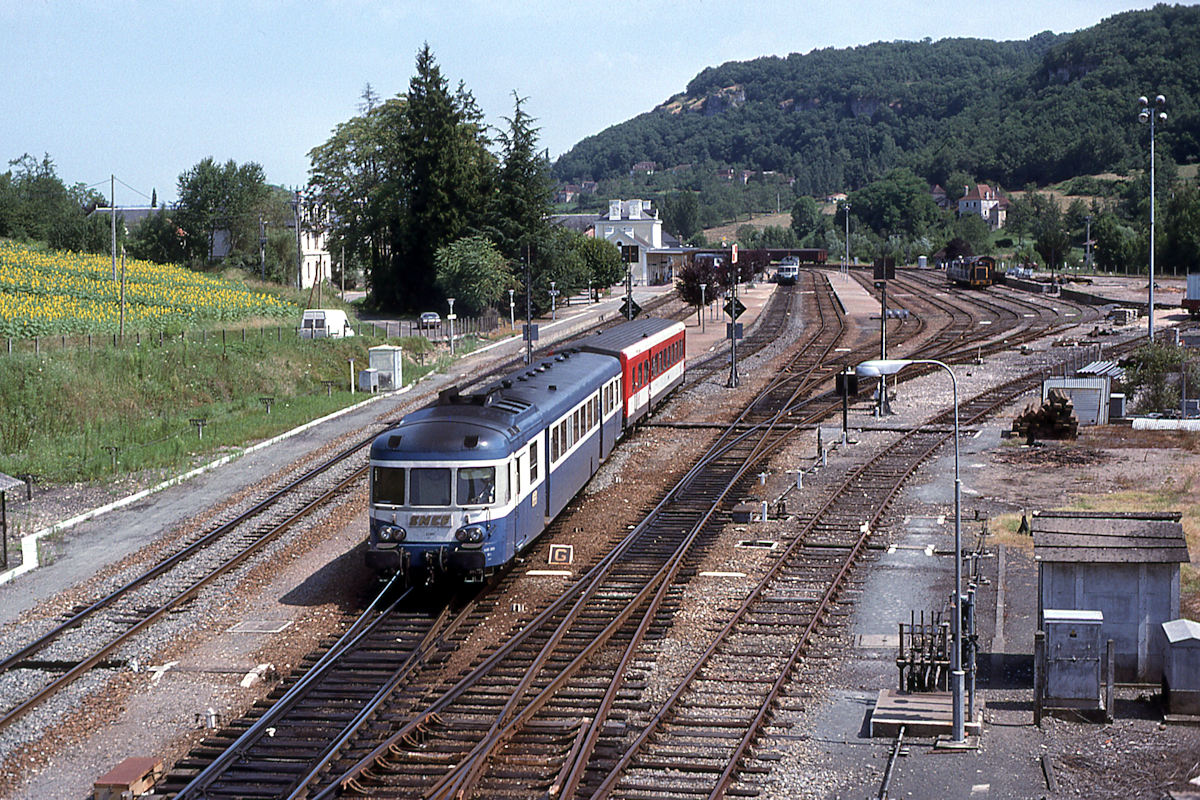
(429, 319)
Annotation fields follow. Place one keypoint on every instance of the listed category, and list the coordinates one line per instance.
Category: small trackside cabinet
(1073, 654)
(1181, 666)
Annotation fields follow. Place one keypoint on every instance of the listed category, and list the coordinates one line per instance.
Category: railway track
(100, 633)
(561, 703)
(208, 783)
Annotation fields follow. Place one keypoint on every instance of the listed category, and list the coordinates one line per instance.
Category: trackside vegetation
(181, 385)
(65, 411)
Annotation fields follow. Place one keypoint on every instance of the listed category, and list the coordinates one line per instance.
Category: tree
(524, 188)
(440, 181)
(36, 205)
(693, 273)
(352, 176)
(220, 197)
(601, 260)
(1049, 229)
(1181, 249)
(972, 229)
(898, 204)
(158, 239)
(806, 217)
(681, 214)
(474, 272)
(1116, 243)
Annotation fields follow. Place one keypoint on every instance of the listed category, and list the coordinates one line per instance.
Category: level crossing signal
(734, 308)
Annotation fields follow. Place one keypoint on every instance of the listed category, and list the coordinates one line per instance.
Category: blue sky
(144, 90)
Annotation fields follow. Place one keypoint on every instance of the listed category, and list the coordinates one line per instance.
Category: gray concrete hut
(1123, 564)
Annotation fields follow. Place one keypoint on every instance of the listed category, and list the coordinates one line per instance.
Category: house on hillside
(938, 194)
(643, 168)
(985, 202)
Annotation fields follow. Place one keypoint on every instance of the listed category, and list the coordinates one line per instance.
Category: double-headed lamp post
(1147, 114)
(880, 368)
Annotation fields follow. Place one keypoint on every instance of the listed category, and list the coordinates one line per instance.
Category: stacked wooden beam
(1053, 419)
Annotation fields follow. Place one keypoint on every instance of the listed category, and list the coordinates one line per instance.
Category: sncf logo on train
(429, 520)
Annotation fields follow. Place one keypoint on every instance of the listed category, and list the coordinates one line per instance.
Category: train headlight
(470, 534)
(391, 533)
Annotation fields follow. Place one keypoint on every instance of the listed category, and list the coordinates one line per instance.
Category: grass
(1178, 494)
(81, 403)
(65, 411)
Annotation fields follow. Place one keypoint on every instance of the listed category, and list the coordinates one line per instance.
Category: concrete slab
(923, 714)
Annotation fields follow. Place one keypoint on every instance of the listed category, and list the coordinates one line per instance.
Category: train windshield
(429, 486)
(387, 486)
(476, 486)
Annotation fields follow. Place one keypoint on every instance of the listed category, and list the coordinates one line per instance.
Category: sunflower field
(45, 292)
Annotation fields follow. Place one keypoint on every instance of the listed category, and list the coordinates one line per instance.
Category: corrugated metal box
(1088, 395)
(1181, 666)
(1117, 406)
(1073, 654)
(387, 360)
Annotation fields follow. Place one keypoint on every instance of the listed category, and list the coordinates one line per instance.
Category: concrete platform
(923, 714)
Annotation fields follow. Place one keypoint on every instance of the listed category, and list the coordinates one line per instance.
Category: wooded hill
(1011, 113)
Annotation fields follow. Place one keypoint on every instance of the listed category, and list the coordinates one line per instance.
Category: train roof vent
(510, 404)
(554, 387)
(506, 383)
(394, 440)
(471, 441)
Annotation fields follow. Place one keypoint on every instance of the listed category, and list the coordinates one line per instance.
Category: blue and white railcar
(465, 485)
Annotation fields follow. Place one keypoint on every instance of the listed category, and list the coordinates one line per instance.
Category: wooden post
(1110, 678)
(1039, 675)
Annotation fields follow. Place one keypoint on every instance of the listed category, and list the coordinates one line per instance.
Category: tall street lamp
(880, 368)
(1147, 115)
(700, 310)
(450, 319)
(846, 263)
(553, 295)
(512, 311)
(1087, 244)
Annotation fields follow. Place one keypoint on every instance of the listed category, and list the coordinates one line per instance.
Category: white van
(319, 323)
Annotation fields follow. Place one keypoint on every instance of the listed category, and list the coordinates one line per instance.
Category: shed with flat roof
(1123, 564)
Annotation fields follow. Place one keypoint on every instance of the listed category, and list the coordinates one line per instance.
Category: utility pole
(629, 292)
(299, 248)
(262, 247)
(733, 315)
(528, 310)
(112, 212)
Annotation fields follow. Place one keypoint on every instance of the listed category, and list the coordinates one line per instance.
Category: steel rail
(464, 776)
(363, 626)
(166, 564)
(586, 587)
(15, 713)
(977, 407)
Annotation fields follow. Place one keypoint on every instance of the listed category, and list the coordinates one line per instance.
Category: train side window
(554, 443)
(533, 463)
(387, 486)
(514, 480)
